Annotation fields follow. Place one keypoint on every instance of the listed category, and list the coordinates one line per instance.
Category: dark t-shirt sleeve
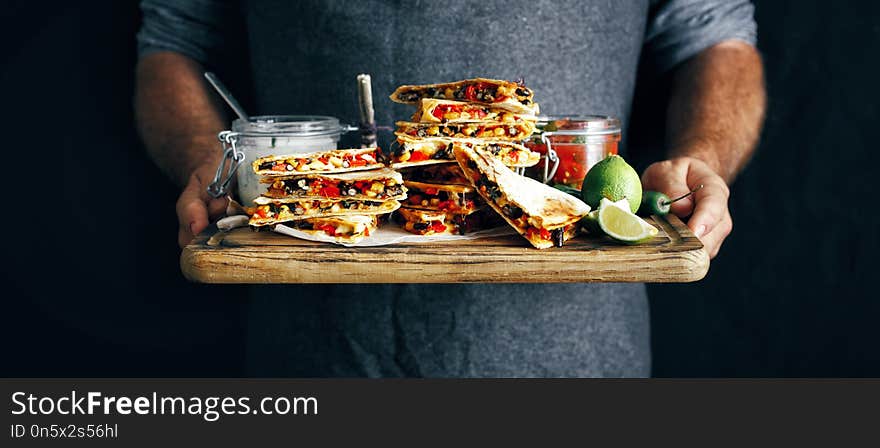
(194, 28)
(679, 29)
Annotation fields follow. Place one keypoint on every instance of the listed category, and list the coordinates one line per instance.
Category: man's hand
(709, 217)
(179, 119)
(715, 113)
(195, 208)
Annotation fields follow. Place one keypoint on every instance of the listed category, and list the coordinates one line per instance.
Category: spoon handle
(226, 95)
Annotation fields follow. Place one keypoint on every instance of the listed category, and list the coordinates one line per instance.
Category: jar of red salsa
(570, 145)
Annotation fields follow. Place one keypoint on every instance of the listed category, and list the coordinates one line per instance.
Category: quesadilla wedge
(424, 222)
(509, 95)
(333, 161)
(413, 151)
(494, 130)
(446, 111)
(376, 185)
(432, 222)
(542, 214)
(440, 197)
(343, 229)
(444, 173)
(273, 211)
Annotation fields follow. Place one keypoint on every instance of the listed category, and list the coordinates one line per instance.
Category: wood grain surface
(245, 256)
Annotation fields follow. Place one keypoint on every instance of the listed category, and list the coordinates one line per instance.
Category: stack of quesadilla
(489, 114)
(440, 200)
(339, 193)
(486, 114)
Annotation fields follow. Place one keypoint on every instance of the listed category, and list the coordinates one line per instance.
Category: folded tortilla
(446, 111)
(343, 229)
(487, 130)
(542, 214)
(442, 197)
(273, 211)
(333, 161)
(506, 94)
(415, 151)
(375, 185)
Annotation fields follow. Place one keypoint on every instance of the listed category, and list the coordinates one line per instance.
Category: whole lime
(614, 179)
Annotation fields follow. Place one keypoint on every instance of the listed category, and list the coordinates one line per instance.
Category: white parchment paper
(391, 233)
(388, 233)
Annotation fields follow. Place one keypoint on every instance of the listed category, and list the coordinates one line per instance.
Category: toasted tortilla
(431, 110)
(339, 186)
(439, 150)
(505, 94)
(536, 206)
(313, 165)
(486, 130)
(381, 173)
(421, 215)
(453, 188)
(280, 210)
(346, 229)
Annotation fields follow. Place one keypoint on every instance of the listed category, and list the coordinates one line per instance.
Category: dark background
(91, 283)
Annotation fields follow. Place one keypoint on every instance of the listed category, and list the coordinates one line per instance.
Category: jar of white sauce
(271, 135)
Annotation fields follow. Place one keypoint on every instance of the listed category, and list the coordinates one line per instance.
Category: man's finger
(714, 239)
(711, 205)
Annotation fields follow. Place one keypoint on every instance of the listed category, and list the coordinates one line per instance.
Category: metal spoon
(226, 95)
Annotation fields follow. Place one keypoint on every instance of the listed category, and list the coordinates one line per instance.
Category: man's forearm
(177, 116)
(717, 107)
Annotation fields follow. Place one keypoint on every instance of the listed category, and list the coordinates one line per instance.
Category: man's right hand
(195, 208)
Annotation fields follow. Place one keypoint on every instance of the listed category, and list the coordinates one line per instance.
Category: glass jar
(270, 135)
(570, 145)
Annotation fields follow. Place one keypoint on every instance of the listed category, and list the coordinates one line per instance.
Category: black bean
(512, 211)
(558, 236)
(420, 226)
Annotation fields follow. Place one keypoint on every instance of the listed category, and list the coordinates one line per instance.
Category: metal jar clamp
(550, 156)
(232, 158)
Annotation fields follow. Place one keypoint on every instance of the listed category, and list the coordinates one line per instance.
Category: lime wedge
(618, 222)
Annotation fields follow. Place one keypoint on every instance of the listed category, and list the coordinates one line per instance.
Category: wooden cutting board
(245, 256)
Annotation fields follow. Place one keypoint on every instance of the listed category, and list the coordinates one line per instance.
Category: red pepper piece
(471, 92)
(417, 156)
(330, 191)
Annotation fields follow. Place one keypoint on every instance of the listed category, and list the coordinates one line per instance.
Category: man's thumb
(192, 214)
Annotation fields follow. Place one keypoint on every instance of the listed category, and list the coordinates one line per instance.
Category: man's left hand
(709, 216)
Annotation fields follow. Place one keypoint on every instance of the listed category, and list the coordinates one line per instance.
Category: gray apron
(578, 57)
